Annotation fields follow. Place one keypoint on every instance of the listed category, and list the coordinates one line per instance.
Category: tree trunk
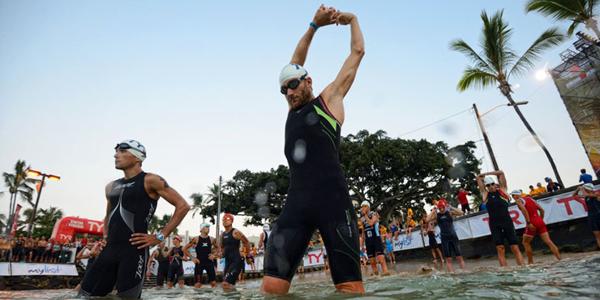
(592, 25)
(535, 137)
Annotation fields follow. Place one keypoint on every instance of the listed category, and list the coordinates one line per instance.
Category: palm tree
(19, 186)
(153, 227)
(198, 202)
(497, 63)
(46, 218)
(162, 222)
(576, 11)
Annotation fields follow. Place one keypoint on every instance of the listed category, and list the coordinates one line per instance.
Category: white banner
(404, 242)
(27, 269)
(314, 258)
(558, 208)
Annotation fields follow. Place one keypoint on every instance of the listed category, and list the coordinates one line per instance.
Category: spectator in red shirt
(463, 200)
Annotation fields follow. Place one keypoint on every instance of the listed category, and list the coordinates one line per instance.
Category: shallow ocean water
(576, 276)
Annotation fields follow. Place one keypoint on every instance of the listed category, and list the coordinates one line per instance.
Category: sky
(196, 83)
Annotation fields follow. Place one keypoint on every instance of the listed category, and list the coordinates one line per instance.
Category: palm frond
(559, 9)
(464, 48)
(473, 77)
(546, 40)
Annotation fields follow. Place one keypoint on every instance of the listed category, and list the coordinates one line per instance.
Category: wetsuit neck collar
(134, 177)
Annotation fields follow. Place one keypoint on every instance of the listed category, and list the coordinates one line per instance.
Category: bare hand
(324, 16)
(143, 240)
(344, 18)
(211, 257)
(531, 227)
(196, 261)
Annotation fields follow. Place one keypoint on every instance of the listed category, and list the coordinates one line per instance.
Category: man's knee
(352, 287)
(274, 286)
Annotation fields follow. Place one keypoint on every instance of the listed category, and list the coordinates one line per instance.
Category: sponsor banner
(314, 258)
(26, 269)
(578, 82)
(404, 242)
(4, 269)
(558, 208)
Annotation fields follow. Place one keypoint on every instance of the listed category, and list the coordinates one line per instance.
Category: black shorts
(233, 267)
(594, 222)
(432, 241)
(175, 271)
(209, 267)
(450, 246)
(465, 208)
(374, 247)
(503, 232)
(120, 265)
(162, 273)
(327, 208)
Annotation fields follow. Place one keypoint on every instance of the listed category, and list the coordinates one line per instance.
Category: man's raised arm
(335, 92)
(324, 16)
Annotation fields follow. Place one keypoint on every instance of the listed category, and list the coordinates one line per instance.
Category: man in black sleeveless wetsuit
(443, 215)
(161, 255)
(372, 238)
(318, 195)
(131, 202)
(206, 251)
(501, 225)
(230, 248)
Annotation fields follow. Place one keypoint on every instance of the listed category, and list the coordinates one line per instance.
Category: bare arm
(523, 210)
(335, 92)
(372, 220)
(456, 212)
(157, 186)
(482, 188)
(186, 249)
(323, 17)
(261, 241)
(108, 209)
(540, 209)
(240, 236)
(154, 254)
(215, 249)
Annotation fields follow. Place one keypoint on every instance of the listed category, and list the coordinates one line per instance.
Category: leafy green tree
(498, 63)
(575, 11)
(153, 226)
(45, 220)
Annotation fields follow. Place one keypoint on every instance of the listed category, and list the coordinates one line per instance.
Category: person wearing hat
(443, 216)
(372, 238)
(131, 203)
(230, 250)
(312, 142)
(206, 253)
(501, 225)
(264, 238)
(428, 228)
(535, 224)
(552, 186)
(176, 257)
(592, 201)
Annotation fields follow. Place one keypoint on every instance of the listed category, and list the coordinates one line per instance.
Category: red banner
(13, 231)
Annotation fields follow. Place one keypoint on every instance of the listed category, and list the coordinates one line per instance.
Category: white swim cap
(134, 147)
(489, 180)
(516, 192)
(291, 71)
(365, 203)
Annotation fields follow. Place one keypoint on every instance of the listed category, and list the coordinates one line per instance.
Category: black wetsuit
(450, 245)
(233, 259)
(317, 198)
(203, 250)
(121, 264)
(593, 206)
(176, 265)
(163, 267)
(373, 241)
(500, 222)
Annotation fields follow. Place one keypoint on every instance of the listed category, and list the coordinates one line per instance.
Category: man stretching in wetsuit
(206, 252)
(230, 246)
(372, 238)
(501, 225)
(131, 202)
(312, 139)
(592, 201)
(161, 255)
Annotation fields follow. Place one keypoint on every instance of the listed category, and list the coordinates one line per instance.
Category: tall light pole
(34, 173)
(484, 133)
(219, 211)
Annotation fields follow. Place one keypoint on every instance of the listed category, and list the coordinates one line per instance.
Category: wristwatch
(160, 236)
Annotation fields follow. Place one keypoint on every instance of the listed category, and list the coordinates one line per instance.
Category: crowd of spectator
(39, 250)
